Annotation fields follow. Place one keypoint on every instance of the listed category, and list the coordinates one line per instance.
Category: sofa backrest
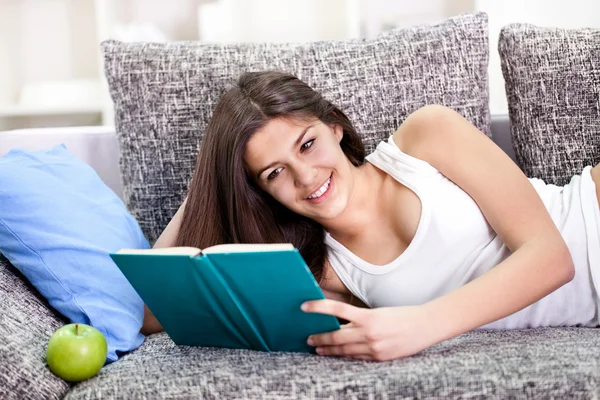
(165, 93)
(98, 146)
(95, 145)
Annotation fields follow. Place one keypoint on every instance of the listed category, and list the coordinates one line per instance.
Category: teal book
(241, 296)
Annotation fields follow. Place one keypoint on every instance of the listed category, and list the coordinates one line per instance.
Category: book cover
(234, 296)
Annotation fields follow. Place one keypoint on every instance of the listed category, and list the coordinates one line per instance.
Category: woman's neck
(366, 205)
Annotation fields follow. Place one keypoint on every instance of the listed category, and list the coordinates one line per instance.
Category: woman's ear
(338, 132)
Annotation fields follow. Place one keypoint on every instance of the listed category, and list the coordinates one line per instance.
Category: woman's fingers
(339, 337)
(346, 350)
(336, 308)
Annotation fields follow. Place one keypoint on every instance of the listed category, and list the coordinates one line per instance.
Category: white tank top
(454, 244)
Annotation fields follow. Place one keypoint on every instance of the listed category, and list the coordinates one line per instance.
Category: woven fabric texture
(553, 90)
(546, 363)
(26, 324)
(164, 94)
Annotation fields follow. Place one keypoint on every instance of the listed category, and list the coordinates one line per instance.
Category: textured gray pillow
(553, 88)
(26, 323)
(164, 94)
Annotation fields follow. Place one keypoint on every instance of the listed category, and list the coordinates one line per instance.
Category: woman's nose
(305, 175)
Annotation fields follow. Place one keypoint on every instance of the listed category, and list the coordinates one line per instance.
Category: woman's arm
(539, 264)
(541, 261)
(167, 238)
(526, 276)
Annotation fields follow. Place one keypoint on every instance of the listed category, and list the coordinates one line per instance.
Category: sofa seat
(531, 363)
(520, 364)
(26, 324)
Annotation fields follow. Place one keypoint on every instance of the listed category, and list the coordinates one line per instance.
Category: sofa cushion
(553, 89)
(58, 224)
(164, 94)
(559, 363)
(26, 324)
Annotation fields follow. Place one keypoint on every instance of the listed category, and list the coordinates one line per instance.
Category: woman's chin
(330, 212)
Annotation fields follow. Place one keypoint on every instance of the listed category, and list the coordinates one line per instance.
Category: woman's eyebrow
(296, 143)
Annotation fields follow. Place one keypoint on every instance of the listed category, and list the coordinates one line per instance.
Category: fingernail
(303, 306)
(310, 341)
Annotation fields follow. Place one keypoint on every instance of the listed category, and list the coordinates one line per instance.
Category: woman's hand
(378, 334)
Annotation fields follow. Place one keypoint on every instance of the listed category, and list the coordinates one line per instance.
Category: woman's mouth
(323, 192)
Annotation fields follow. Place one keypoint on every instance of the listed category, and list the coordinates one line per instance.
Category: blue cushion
(58, 224)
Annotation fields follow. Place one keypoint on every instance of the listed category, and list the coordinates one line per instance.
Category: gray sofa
(162, 103)
(523, 364)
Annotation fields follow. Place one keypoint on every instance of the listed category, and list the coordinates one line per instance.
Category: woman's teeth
(321, 190)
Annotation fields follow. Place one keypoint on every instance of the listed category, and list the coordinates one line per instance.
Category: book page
(175, 251)
(248, 248)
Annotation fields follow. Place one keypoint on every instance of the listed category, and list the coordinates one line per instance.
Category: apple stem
(77, 329)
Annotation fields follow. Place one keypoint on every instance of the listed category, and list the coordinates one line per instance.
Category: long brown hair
(224, 204)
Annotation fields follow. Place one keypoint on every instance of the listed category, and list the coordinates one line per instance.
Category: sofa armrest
(95, 145)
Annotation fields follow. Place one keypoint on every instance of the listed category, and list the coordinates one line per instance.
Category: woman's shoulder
(397, 153)
(406, 138)
(433, 135)
(437, 134)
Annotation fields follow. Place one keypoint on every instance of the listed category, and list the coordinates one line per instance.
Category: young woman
(435, 233)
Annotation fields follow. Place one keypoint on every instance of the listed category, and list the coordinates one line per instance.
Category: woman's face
(301, 164)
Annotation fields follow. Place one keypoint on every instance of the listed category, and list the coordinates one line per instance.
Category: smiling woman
(281, 140)
(304, 175)
(408, 243)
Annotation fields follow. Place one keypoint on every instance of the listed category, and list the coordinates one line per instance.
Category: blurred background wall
(50, 67)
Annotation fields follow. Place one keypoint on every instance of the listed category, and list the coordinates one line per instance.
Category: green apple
(76, 352)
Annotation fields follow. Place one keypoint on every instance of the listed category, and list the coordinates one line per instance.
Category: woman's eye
(307, 147)
(273, 174)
